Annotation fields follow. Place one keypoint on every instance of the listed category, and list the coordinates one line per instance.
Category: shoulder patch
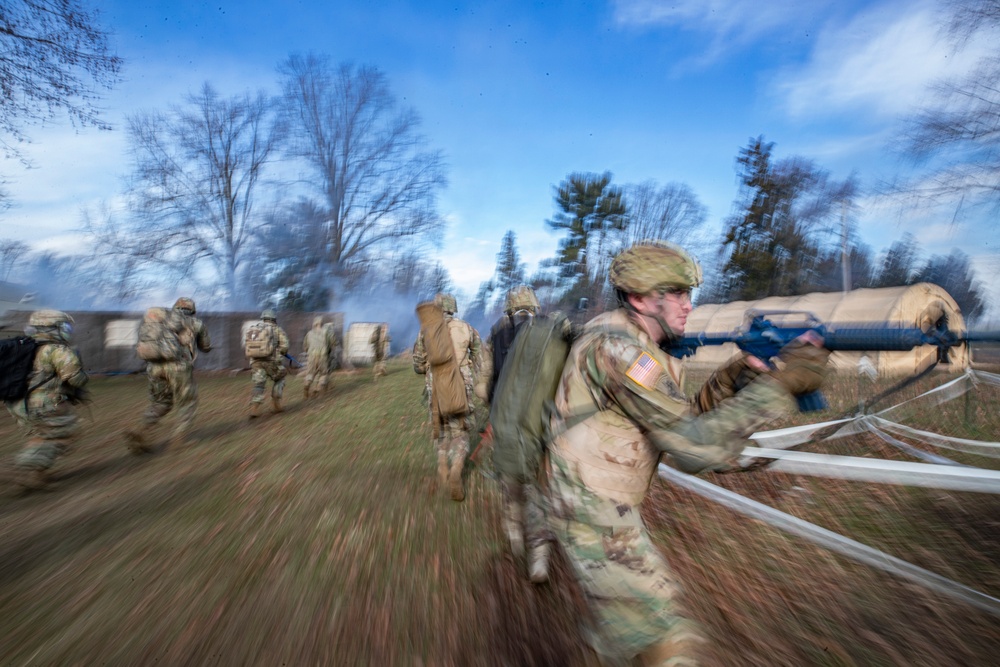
(646, 371)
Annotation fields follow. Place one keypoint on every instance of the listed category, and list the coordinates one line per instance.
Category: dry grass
(319, 537)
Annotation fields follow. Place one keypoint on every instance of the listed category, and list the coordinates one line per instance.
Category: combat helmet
(48, 319)
(446, 302)
(653, 266)
(185, 303)
(269, 314)
(50, 324)
(521, 297)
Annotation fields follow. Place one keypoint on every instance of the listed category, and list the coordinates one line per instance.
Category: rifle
(762, 338)
(293, 361)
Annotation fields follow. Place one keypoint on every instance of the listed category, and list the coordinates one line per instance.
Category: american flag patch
(645, 371)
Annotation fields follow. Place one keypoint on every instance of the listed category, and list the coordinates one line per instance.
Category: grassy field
(319, 537)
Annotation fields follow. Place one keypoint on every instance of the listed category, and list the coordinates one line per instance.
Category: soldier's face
(670, 308)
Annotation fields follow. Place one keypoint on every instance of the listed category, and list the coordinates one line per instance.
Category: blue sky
(520, 94)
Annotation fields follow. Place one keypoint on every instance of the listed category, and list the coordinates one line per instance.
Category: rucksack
(448, 394)
(160, 336)
(16, 358)
(260, 342)
(523, 400)
(501, 338)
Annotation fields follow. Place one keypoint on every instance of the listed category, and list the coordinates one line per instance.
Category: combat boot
(538, 563)
(136, 441)
(31, 479)
(276, 402)
(455, 481)
(254, 409)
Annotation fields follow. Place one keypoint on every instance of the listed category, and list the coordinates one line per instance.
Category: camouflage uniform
(317, 346)
(336, 348)
(262, 370)
(47, 412)
(524, 503)
(619, 407)
(171, 383)
(452, 433)
(379, 341)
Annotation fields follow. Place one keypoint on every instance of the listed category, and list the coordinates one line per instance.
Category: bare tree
(293, 239)
(197, 171)
(52, 55)
(11, 254)
(671, 213)
(955, 137)
(377, 182)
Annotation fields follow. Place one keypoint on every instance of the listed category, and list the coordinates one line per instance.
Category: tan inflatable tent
(909, 306)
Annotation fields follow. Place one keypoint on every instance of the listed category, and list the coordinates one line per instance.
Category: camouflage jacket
(620, 405)
(318, 343)
(467, 347)
(56, 371)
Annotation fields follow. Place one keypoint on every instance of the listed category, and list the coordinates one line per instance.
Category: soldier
(336, 348)
(380, 343)
(452, 433)
(524, 509)
(520, 305)
(54, 385)
(619, 406)
(317, 346)
(270, 366)
(171, 381)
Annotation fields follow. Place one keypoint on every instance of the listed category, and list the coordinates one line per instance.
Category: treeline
(292, 200)
(792, 232)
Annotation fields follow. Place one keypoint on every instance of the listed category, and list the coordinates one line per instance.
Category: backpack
(501, 337)
(448, 394)
(261, 341)
(16, 358)
(523, 400)
(160, 336)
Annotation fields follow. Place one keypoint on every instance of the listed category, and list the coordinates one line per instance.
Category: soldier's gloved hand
(803, 365)
(728, 380)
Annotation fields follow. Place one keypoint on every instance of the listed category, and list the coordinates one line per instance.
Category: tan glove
(803, 367)
(724, 383)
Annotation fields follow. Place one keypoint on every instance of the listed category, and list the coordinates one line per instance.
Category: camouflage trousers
(632, 592)
(453, 439)
(524, 508)
(378, 370)
(51, 433)
(171, 387)
(317, 376)
(262, 370)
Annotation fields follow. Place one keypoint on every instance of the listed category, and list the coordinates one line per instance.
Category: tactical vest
(607, 450)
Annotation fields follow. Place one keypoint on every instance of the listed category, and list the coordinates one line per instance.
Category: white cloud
(735, 19)
(730, 24)
(882, 61)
